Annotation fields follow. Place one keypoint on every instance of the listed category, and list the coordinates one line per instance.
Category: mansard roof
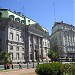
(27, 19)
(62, 23)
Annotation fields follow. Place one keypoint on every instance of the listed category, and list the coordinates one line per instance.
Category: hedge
(50, 69)
(55, 68)
(69, 69)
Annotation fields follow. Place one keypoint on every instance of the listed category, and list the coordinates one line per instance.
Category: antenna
(61, 18)
(1, 2)
(54, 9)
(23, 9)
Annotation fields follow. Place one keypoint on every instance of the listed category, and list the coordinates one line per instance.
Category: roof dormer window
(0, 14)
(29, 22)
(17, 19)
(22, 21)
(11, 17)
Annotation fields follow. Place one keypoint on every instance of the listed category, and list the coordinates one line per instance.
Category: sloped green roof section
(44, 29)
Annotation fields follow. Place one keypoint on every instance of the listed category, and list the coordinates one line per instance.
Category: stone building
(22, 37)
(63, 41)
(37, 42)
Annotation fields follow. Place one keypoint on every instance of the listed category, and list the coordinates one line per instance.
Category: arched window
(17, 19)
(22, 21)
(0, 14)
(29, 22)
(11, 17)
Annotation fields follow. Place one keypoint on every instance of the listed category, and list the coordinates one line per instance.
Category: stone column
(34, 47)
(41, 39)
(32, 39)
(29, 47)
(39, 47)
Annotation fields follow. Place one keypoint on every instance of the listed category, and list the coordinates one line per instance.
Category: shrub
(54, 68)
(69, 69)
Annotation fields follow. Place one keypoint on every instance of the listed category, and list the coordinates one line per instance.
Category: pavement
(25, 71)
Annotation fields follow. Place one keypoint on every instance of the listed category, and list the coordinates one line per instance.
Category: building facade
(38, 42)
(22, 37)
(12, 39)
(63, 41)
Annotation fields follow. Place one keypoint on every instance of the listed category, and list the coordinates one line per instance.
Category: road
(23, 65)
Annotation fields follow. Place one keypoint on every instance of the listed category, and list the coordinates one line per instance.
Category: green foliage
(69, 69)
(53, 55)
(5, 57)
(54, 68)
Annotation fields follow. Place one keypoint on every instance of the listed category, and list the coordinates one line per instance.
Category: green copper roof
(7, 12)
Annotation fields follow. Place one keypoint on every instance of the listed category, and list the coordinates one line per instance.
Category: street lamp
(60, 47)
(37, 56)
(33, 57)
(27, 61)
(27, 65)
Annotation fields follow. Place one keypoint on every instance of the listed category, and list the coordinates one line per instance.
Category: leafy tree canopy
(5, 57)
(53, 55)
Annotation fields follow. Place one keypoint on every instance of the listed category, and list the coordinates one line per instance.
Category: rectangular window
(68, 37)
(11, 47)
(17, 56)
(40, 41)
(45, 43)
(73, 37)
(11, 36)
(30, 56)
(11, 26)
(11, 55)
(17, 37)
(22, 48)
(17, 49)
(22, 38)
(22, 55)
(17, 27)
(48, 45)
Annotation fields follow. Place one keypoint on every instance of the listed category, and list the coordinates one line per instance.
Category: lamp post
(59, 51)
(37, 56)
(33, 57)
(27, 65)
(27, 61)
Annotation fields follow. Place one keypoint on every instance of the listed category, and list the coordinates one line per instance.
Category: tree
(53, 55)
(5, 57)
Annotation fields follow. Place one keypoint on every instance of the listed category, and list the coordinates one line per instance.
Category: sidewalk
(24, 71)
